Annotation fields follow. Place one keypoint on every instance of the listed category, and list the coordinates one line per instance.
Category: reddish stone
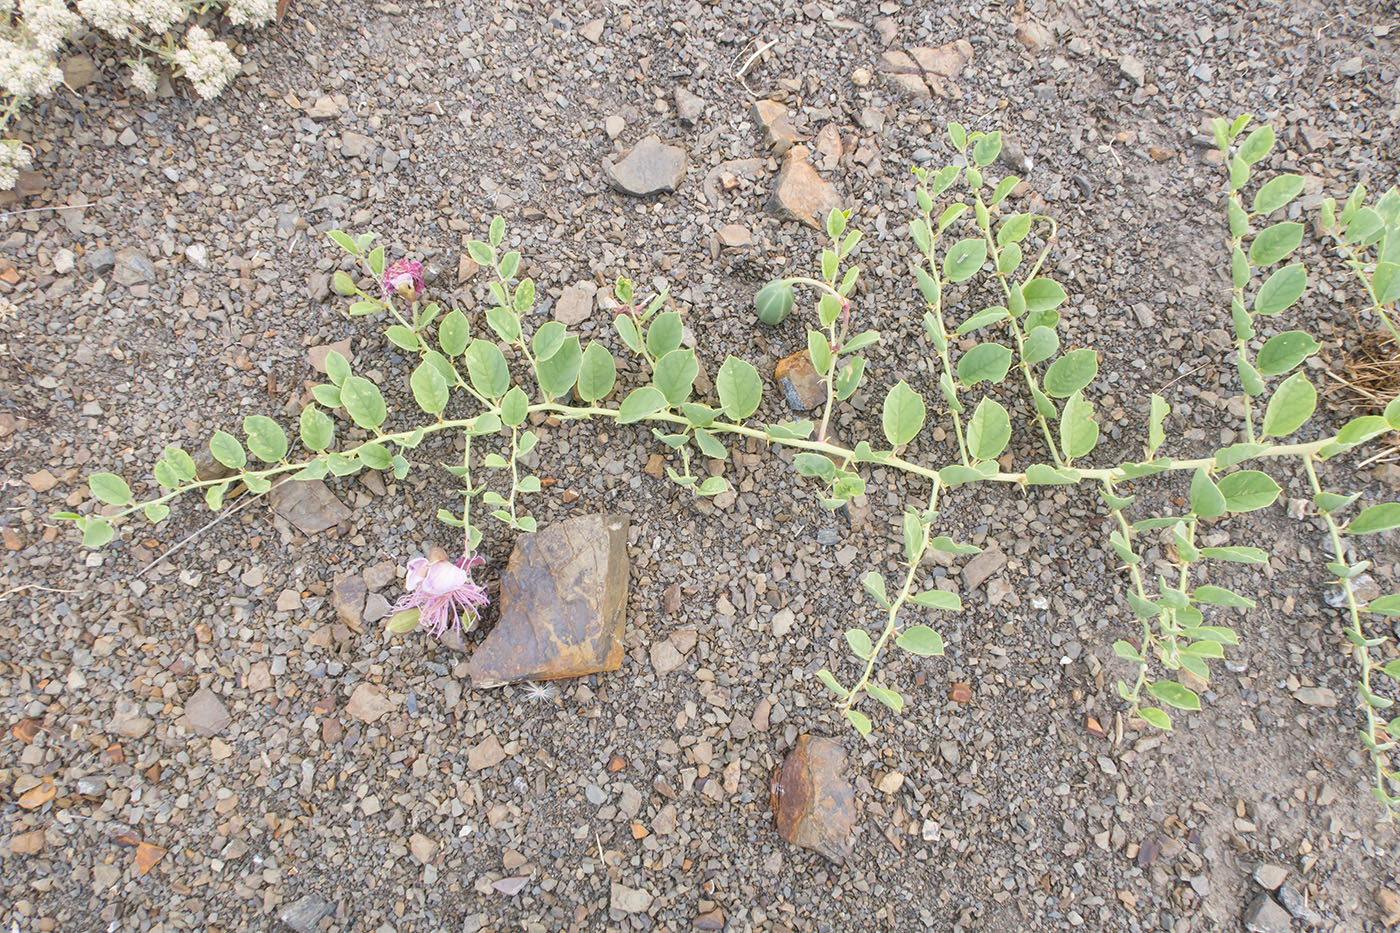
(813, 804)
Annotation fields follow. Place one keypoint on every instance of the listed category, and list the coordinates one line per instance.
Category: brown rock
(665, 658)
(896, 63)
(734, 235)
(466, 268)
(486, 754)
(563, 605)
(259, 677)
(800, 193)
(147, 854)
(368, 703)
(982, 566)
(1389, 903)
(946, 61)
(778, 132)
(629, 900)
(348, 598)
(813, 804)
(651, 167)
(309, 505)
(801, 385)
(206, 714)
(78, 71)
(30, 843)
(576, 304)
(1034, 36)
(913, 85)
(129, 721)
(422, 847)
(316, 356)
(710, 920)
(829, 146)
(41, 480)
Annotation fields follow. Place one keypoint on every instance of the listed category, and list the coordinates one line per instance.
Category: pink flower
(443, 592)
(404, 277)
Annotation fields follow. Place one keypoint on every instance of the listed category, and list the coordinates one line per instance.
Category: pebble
(1266, 915)
(206, 713)
(813, 803)
(575, 305)
(650, 167)
(1269, 876)
(800, 194)
(348, 599)
(688, 107)
(1132, 69)
(803, 389)
(629, 900)
(304, 915)
(133, 268)
(309, 505)
(368, 703)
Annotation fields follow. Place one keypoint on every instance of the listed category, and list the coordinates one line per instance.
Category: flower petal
(442, 578)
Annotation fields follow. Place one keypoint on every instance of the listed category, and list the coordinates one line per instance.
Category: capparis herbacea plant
(486, 381)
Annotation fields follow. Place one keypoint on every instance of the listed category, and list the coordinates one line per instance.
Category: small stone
(946, 61)
(913, 85)
(629, 900)
(309, 505)
(348, 598)
(305, 914)
(982, 566)
(133, 268)
(325, 108)
(1269, 877)
(772, 117)
(1389, 903)
(734, 235)
(129, 721)
(198, 254)
(861, 77)
(63, 261)
(1132, 69)
(368, 703)
(219, 750)
(651, 167)
(101, 261)
(1158, 154)
(1034, 36)
(353, 144)
(206, 714)
(1265, 915)
(813, 804)
(30, 843)
(1013, 155)
(466, 268)
(1322, 697)
(890, 783)
(128, 137)
(422, 847)
(800, 193)
(1296, 903)
(575, 305)
(614, 125)
(1364, 588)
(710, 920)
(1351, 67)
(665, 658)
(802, 387)
(563, 602)
(593, 32)
(486, 754)
(376, 608)
(78, 71)
(896, 63)
(259, 678)
(41, 480)
(380, 575)
(688, 107)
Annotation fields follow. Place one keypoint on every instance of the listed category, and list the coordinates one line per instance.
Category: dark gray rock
(305, 914)
(1265, 915)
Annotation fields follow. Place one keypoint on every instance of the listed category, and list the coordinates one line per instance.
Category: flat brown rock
(813, 804)
(205, 713)
(308, 504)
(368, 703)
(563, 605)
(802, 387)
(800, 193)
(778, 131)
(946, 60)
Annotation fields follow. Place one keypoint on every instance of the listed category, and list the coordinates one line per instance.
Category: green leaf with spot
(266, 439)
(363, 402)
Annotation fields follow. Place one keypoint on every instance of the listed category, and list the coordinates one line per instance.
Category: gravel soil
(635, 800)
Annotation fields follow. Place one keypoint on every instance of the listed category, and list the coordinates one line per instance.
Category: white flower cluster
(251, 12)
(49, 22)
(207, 63)
(27, 71)
(14, 158)
(119, 18)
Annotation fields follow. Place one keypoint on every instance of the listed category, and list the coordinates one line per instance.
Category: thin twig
(33, 586)
(60, 207)
(195, 534)
(749, 63)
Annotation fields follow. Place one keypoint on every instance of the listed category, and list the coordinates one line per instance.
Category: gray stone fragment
(651, 167)
(309, 505)
(1296, 903)
(982, 566)
(1265, 915)
(101, 261)
(206, 714)
(1269, 877)
(133, 268)
(688, 107)
(305, 914)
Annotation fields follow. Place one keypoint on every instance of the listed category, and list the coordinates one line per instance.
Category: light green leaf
(675, 374)
(1207, 500)
(964, 258)
(1219, 596)
(858, 719)
(1276, 193)
(1043, 294)
(548, 339)
(1237, 555)
(664, 334)
(921, 640)
(1071, 372)
(1175, 695)
(1275, 243)
(597, 374)
(1248, 490)
(1284, 351)
(740, 389)
(1079, 432)
(317, 429)
(937, 599)
(227, 450)
(859, 642)
(487, 369)
(97, 532)
(514, 407)
(986, 149)
(641, 402)
(110, 488)
(429, 388)
(363, 402)
(875, 585)
(1156, 417)
(1257, 145)
(266, 439)
(986, 362)
(1155, 717)
(1290, 407)
(1381, 517)
(1039, 345)
(989, 430)
(774, 302)
(557, 374)
(903, 414)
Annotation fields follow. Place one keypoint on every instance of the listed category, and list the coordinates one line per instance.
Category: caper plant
(486, 382)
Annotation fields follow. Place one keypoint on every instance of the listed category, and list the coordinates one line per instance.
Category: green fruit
(773, 302)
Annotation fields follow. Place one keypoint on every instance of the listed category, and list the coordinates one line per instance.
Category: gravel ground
(458, 809)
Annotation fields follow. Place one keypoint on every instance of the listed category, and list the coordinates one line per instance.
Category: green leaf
(814, 465)
(986, 362)
(227, 450)
(1237, 453)
(1039, 345)
(773, 302)
(1219, 596)
(1071, 372)
(921, 640)
(791, 430)
(110, 488)
(1257, 145)
(1291, 405)
(487, 369)
(1275, 243)
(1281, 290)
(1078, 430)
(326, 394)
(1175, 695)
(1155, 717)
(360, 308)
(858, 719)
(1284, 351)
(375, 457)
(1041, 474)
(982, 319)
(886, 696)
(1248, 490)
(949, 546)
(504, 322)
(429, 388)
(664, 334)
(558, 374)
(597, 374)
(875, 586)
(848, 377)
(1381, 517)
(266, 439)
(1043, 294)
(819, 352)
(343, 240)
(986, 149)
(937, 599)
(514, 407)
(1237, 555)
(964, 258)
(548, 339)
(362, 401)
(740, 388)
(989, 430)
(709, 445)
(405, 620)
(1207, 500)
(1362, 429)
(376, 261)
(641, 402)
(402, 337)
(181, 462)
(829, 679)
(627, 331)
(913, 534)
(317, 430)
(337, 368)
(860, 643)
(957, 134)
(675, 374)
(1156, 417)
(903, 414)
(97, 532)
(524, 292)
(1276, 193)
(1385, 606)
(1334, 502)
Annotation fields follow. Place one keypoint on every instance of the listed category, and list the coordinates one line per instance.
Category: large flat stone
(651, 167)
(563, 605)
(800, 193)
(813, 804)
(309, 505)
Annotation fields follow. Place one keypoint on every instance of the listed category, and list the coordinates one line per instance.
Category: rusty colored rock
(30, 843)
(800, 193)
(801, 385)
(147, 854)
(813, 804)
(896, 63)
(563, 605)
(960, 692)
(778, 132)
